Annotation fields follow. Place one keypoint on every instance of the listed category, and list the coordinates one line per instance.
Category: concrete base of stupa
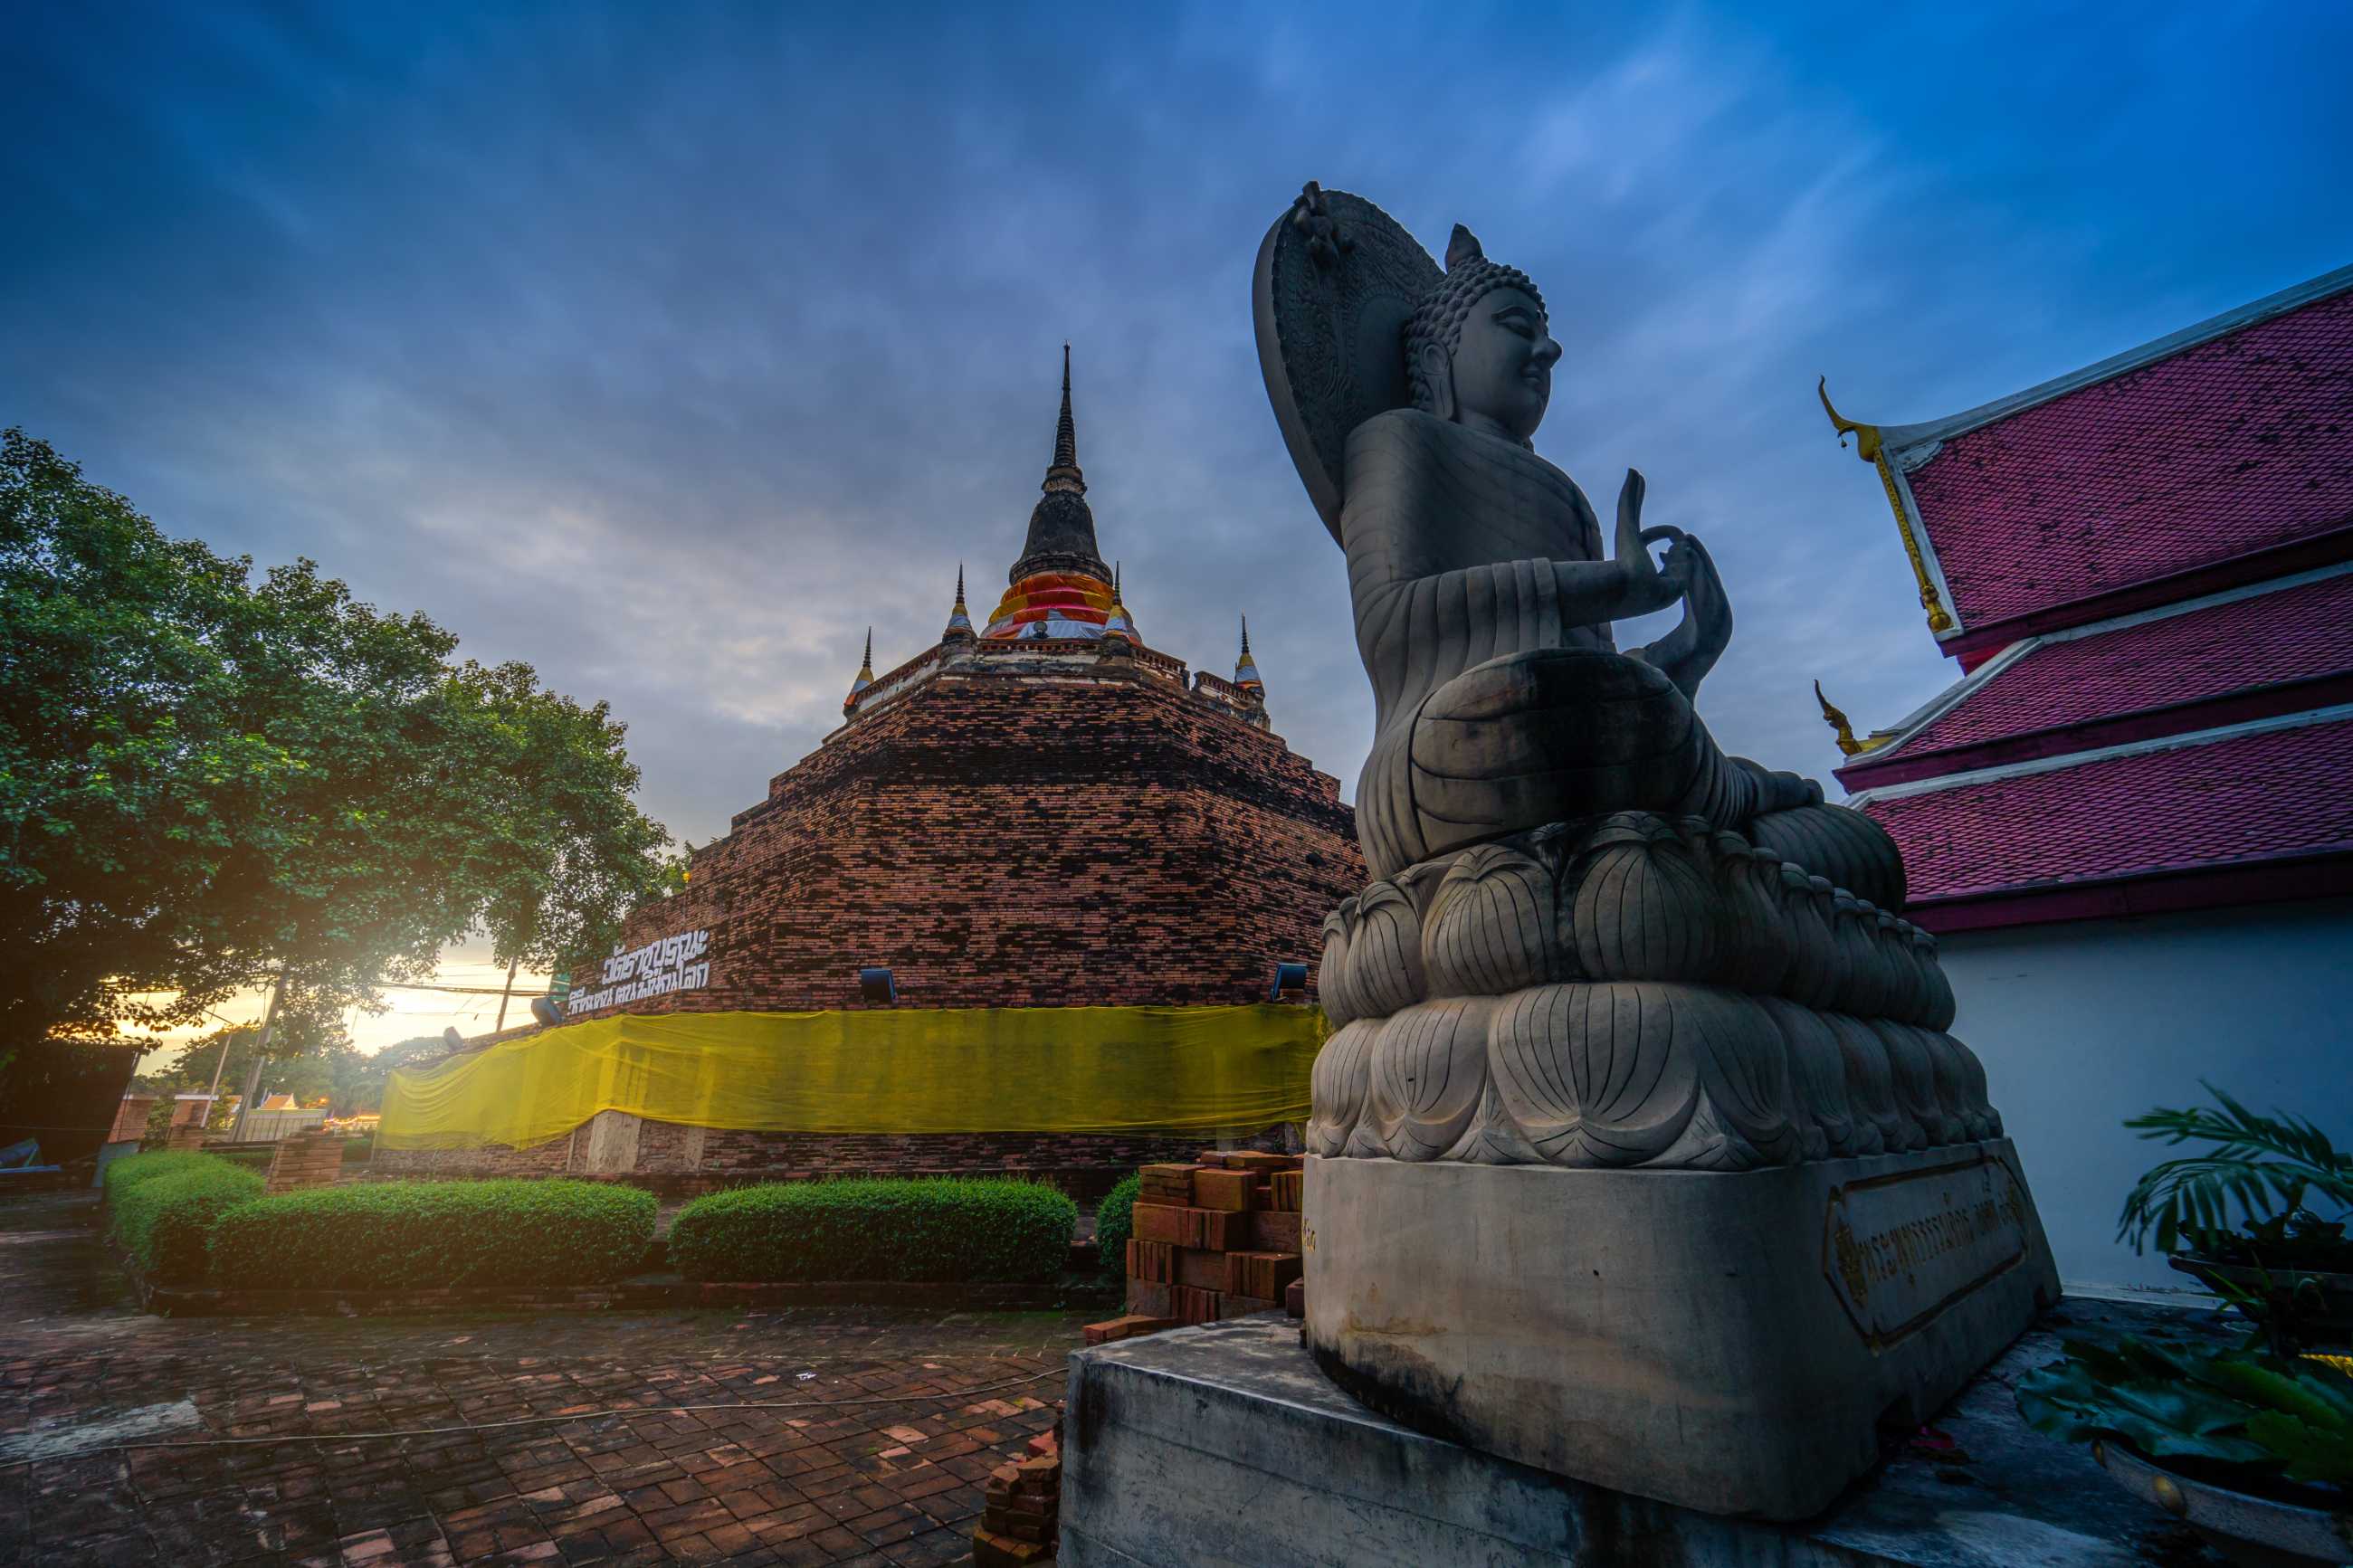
(1729, 1342)
(1225, 1446)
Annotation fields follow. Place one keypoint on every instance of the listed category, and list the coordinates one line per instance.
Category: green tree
(310, 1056)
(211, 784)
(563, 849)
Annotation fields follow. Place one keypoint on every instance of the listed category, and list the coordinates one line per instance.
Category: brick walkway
(895, 1481)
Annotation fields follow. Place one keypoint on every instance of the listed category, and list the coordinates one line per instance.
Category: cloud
(671, 350)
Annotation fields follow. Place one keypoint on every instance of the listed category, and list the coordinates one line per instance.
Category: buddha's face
(1503, 366)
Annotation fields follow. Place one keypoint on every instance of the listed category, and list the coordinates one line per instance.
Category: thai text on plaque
(1900, 1248)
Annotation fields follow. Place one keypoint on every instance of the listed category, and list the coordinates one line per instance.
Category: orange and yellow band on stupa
(1081, 603)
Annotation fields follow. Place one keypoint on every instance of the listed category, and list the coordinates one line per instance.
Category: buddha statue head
(1477, 348)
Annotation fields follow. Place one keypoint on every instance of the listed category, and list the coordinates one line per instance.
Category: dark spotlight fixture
(544, 1009)
(1289, 981)
(876, 986)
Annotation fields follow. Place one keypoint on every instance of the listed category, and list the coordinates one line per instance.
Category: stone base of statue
(1645, 1157)
(1224, 1447)
(1729, 1344)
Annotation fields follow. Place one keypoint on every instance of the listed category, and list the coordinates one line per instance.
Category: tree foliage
(561, 851)
(209, 779)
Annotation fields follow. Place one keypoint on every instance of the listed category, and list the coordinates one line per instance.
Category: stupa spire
(1246, 669)
(1063, 471)
(1060, 582)
(1118, 622)
(959, 628)
(865, 675)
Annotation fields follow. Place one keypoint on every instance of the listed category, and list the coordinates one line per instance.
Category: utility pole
(253, 1068)
(505, 994)
(211, 1097)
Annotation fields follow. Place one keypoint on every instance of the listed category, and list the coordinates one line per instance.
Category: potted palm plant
(2236, 1215)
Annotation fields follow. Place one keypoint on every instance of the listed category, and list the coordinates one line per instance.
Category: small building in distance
(2130, 820)
(1061, 866)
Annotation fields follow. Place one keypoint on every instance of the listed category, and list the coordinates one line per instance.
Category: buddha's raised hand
(1643, 586)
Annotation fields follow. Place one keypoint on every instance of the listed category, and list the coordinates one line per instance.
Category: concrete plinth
(1223, 1446)
(1726, 1342)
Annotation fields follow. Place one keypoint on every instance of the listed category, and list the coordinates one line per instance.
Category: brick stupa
(1044, 812)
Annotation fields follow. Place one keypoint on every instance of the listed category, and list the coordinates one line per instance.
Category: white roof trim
(1904, 443)
(1918, 526)
(2330, 715)
(2204, 602)
(1945, 702)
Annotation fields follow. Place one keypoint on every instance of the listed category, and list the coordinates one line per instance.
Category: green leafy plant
(988, 1230)
(164, 1206)
(132, 1170)
(2239, 1418)
(385, 1236)
(1114, 1223)
(2264, 1166)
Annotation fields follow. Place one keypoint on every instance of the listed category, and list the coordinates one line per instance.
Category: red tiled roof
(2252, 797)
(2236, 445)
(2293, 633)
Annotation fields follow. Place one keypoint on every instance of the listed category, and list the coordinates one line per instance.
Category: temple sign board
(665, 965)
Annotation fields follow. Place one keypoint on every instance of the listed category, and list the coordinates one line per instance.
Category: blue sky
(668, 347)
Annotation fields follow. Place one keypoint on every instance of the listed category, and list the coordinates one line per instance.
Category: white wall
(2083, 1024)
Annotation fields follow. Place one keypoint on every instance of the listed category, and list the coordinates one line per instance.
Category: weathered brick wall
(1006, 841)
(489, 1159)
(1085, 1162)
(998, 840)
(826, 1153)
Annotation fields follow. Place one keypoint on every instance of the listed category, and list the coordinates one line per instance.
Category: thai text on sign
(670, 964)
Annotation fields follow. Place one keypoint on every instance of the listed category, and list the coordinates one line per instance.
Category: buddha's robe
(1500, 703)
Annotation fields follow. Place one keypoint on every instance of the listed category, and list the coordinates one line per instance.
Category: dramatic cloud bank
(670, 348)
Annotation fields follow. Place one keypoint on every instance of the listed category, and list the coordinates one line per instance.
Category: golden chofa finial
(1847, 743)
(1872, 450)
(1866, 437)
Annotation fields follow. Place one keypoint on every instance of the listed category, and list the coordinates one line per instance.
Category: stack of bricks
(1020, 1504)
(184, 1135)
(305, 1160)
(1214, 1238)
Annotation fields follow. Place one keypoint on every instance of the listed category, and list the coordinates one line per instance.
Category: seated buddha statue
(1483, 599)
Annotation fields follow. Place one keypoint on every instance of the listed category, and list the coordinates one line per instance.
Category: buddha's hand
(1643, 586)
(1705, 603)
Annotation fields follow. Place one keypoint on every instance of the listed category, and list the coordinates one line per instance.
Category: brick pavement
(897, 1481)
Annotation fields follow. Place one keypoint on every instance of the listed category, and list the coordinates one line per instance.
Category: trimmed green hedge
(130, 1169)
(993, 1229)
(165, 1207)
(385, 1235)
(1114, 1223)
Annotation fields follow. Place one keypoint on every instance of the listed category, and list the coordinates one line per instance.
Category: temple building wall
(1007, 841)
(2085, 1022)
(691, 1160)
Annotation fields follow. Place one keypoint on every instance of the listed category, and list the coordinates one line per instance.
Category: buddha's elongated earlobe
(1437, 370)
